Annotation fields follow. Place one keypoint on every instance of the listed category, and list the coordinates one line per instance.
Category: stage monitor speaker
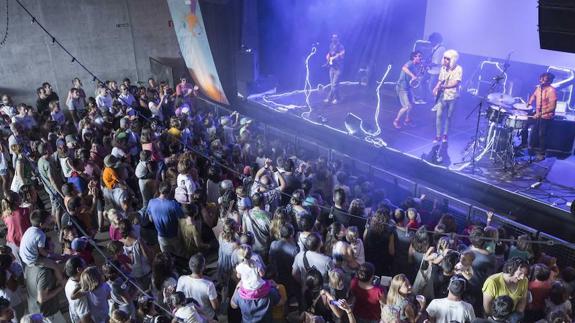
(352, 124)
(561, 172)
(557, 25)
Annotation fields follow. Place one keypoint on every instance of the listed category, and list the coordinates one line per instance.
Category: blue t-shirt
(403, 82)
(164, 213)
(258, 310)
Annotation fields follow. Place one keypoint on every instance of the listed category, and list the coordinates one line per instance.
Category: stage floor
(417, 140)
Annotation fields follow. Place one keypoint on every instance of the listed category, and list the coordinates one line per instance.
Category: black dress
(376, 246)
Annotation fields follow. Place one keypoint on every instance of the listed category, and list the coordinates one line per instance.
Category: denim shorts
(405, 96)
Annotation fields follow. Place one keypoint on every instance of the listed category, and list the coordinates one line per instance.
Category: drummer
(545, 99)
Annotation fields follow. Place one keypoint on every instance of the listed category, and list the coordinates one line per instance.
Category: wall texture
(113, 38)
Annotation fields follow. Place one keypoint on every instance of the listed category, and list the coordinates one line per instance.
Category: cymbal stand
(479, 108)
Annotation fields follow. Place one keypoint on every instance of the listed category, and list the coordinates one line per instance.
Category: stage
(304, 109)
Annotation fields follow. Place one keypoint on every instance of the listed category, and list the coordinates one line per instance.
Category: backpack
(181, 194)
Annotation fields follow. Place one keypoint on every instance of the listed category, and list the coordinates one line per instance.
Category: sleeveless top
(140, 264)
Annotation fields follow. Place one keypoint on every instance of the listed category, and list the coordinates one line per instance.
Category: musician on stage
(410, 72)
(334, 60)
(446, 92)
(545, 99)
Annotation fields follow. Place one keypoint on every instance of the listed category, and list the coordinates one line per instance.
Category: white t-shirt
(250, 276)
(32, 240)
(188, 314)
(104, 102)
(201, 290)
(186, 181)
(126, 99)
(78, 307)
(449, 76)
(445, 311)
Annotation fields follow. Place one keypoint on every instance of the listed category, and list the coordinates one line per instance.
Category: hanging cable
(5, 37)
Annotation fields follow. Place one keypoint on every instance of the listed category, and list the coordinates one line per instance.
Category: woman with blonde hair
(97, 293)
(279, 219)
(401, 304)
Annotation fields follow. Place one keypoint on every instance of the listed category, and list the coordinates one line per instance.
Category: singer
(545, 98)
(335, 63)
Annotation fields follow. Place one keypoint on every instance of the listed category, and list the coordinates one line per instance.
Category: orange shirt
(110, 178)
(545, 101)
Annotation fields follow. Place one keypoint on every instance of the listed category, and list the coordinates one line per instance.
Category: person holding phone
(366, 294)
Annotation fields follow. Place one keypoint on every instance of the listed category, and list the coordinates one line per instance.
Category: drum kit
(501, 138)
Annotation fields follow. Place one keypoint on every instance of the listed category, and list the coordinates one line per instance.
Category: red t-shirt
(17, 223)
(367, 305)
(539, 291)
(412, 224)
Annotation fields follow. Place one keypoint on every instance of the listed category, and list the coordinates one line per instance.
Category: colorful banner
(195, 48)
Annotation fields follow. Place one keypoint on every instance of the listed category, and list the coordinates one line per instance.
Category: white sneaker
(334, 101)
(326, 101)
(434, 109)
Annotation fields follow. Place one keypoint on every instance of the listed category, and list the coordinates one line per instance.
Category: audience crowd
(138, 204)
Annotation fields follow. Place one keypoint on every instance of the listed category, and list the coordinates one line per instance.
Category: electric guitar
(440, 91)
(331, 60)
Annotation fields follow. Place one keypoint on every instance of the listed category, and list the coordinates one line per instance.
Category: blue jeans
(334, 83)
(441, 106)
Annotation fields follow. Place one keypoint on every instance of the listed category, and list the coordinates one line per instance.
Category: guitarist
(335, 63)
(446, 92)
(409, 72)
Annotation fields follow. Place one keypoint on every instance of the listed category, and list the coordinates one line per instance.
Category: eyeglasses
(447, 58)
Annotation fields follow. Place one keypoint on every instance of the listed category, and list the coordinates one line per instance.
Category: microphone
(536, 184)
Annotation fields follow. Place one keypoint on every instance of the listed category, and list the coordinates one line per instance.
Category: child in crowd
(250, 273)
(182, 310)
(116, 250)
(356, 244)
(114, 217)
(464, 267)
(68, 234)
(80, 247)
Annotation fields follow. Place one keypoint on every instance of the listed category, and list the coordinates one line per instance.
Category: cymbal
(500, 99)
(522, 106)
(518, 113)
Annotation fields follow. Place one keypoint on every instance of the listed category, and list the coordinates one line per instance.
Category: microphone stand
(479, 107)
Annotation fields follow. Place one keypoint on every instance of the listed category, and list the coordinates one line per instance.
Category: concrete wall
(113, 38)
